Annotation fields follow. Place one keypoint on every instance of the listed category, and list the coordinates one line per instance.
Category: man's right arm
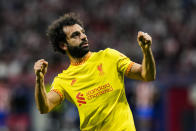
(45, 101)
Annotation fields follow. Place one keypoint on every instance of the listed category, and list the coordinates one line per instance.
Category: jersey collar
(84, 59)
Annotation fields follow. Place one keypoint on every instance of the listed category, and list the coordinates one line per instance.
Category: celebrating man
(94, 81)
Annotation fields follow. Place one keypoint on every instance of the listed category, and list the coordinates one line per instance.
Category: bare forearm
(148, 65)
(146, 71)
(41, 96)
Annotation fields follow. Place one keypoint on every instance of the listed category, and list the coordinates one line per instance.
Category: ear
(63, 46)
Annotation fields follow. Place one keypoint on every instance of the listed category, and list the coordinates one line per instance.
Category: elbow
(150, 78)
(44, 110)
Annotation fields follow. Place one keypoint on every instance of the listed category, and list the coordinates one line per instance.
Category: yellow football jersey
(97, 88)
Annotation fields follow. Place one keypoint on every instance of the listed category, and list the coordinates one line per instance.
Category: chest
(97, 81)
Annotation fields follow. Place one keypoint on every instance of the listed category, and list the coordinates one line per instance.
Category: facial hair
(78, 51)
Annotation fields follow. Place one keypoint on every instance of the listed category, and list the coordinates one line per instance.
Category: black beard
(78, 51)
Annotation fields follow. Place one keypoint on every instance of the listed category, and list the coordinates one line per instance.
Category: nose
(83, 36)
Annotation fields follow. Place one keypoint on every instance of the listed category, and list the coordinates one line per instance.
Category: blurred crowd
(108, 23)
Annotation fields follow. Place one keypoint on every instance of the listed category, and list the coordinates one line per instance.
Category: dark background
(167, 104)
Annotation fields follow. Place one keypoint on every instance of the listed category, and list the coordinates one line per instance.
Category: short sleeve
(58, 88)
(123, 63)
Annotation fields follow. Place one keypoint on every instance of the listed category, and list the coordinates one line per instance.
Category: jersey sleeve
(123, 63)
(58, 88)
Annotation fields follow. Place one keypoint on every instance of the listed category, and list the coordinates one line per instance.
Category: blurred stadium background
(167, 104)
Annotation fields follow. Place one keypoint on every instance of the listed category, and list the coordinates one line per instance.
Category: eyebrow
(74, 34)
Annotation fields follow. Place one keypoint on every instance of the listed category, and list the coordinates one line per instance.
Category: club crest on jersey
(73, 81)
(80, 99)
(100, 69)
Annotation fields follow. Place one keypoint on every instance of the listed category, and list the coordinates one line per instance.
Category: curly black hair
(55, 30)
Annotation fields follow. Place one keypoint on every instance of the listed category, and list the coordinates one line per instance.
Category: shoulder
(110, 55)
(57, 79)
(108, 51)
(59, 82)
(113, 53)
(100, 53)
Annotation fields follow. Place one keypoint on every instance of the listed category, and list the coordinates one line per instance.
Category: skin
(45, 101)
(146, 71)
(75, 34)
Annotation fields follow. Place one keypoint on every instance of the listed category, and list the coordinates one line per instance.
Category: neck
(79, 61)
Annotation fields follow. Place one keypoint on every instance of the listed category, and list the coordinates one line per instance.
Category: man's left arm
(147, 70)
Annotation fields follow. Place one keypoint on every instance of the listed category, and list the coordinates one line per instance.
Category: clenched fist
(40, 68)
(144, 40)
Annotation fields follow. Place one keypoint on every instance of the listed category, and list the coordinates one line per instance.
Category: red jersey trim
(84, 59)
(59, 93)
(129, 68)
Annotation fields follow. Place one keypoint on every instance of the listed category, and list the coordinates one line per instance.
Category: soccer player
(94, 81)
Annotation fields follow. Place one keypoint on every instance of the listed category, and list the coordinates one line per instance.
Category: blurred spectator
(145, 101)
(189, 114)
(20, 105)
(109, 23)
(4, 104)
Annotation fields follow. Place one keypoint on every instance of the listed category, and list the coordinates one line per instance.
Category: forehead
(68, 30)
